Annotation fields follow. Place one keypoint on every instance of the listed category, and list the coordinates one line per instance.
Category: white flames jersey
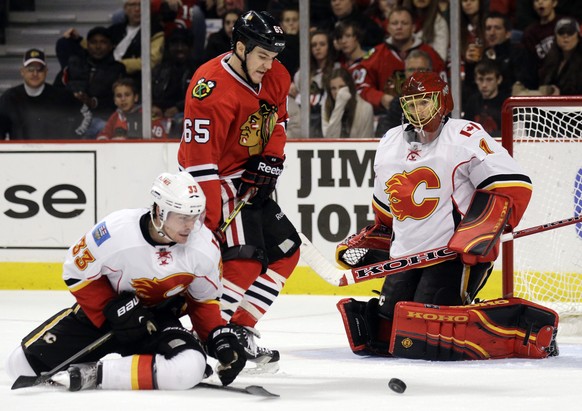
(427, 188)
(118, 255)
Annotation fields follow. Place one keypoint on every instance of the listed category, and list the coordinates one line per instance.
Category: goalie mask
(426, 100)
(177, 193)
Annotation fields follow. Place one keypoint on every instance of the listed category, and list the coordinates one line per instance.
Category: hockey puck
(397, 385)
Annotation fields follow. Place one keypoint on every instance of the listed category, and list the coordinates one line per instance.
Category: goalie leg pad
(502, 328)
(367, 332)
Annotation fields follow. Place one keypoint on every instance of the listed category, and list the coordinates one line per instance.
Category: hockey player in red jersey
(233, 145)
(133, 274)
(442, 182)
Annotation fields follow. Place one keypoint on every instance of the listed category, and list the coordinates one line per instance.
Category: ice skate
(78, 377)
(266, 360)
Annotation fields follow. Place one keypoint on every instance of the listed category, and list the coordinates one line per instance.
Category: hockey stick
(251, 389)
(338, 277)
(25, 381)
(235, 212)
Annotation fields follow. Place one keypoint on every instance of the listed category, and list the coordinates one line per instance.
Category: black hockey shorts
(266, 228)
(69, 331)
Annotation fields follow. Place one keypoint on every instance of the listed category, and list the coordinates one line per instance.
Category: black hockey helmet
(258, 29)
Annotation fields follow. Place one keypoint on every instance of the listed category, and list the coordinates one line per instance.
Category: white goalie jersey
(118, 255)
(426, 188)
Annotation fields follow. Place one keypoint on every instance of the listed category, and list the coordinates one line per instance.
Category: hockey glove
(260, 176)
(223, 345)
(370, 245)
(130, 321)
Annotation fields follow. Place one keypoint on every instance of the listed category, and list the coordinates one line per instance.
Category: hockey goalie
(442, 182)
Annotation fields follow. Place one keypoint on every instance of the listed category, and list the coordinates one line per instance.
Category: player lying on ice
(134, 273)
(442, 182)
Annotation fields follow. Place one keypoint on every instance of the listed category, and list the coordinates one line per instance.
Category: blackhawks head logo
(257, 130)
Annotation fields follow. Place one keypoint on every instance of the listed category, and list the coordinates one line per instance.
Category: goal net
(544, 134)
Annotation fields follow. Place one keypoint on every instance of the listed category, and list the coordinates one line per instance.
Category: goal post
(544, 134)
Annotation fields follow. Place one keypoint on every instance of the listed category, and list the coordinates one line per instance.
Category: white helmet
(178, 193)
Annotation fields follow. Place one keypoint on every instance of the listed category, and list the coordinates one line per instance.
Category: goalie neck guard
(178, 193)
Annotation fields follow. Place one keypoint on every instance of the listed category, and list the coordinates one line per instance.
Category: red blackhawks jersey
(382, 70)
(226, 121)
(119, 255)
(424, 189)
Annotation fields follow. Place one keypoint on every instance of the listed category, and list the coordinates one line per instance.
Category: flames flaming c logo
(401, 189)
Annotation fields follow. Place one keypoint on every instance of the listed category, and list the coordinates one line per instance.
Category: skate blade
(258, 368)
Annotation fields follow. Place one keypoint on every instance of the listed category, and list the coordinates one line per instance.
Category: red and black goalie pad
(502, 328)
(370, 245)
(476, 238)
(367, 333)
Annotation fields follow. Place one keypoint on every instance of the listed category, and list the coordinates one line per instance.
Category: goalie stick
(340, 278)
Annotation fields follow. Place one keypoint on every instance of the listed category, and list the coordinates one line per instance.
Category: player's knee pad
(502, 328)
(245, 252)
(181, 372)
(173, 340)
(364, 327)
(16, 364)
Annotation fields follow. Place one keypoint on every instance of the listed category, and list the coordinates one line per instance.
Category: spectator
(511, 58)
(472, 42)
(127, 40)
(38, 110)
(126, 122)
(416, 61)
(290, 24)
(484, 107)
(215, 9)
(321, 63)
(344, 113)
(348, 40)
(563, 64)
(429, 25)
(90, 73)
(170, 79)
(379, 10)
(220, 42)
(182, 14)
(444, 9)
(382, 71)
(538, 37)
(347, 10)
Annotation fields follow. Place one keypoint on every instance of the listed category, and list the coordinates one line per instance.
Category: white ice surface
(318, 371)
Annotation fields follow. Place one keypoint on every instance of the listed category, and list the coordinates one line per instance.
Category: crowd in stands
(361, 51)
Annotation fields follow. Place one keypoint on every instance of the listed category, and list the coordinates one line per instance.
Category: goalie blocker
(501, 328)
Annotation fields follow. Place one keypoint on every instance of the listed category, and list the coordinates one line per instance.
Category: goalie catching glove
(476, 239)
(370, 245)
(223, 345)
(260, 176)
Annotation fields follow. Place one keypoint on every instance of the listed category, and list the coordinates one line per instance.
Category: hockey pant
(170, 359)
